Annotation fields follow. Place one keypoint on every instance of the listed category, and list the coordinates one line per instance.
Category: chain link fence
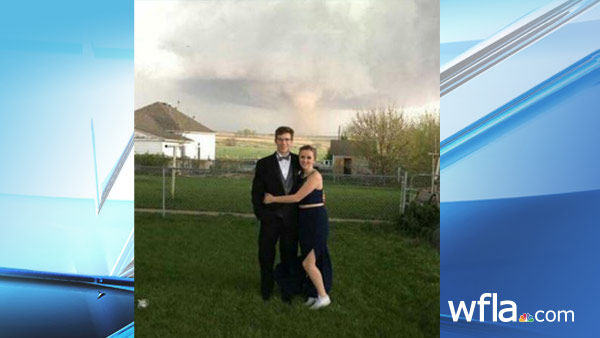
(225, 187)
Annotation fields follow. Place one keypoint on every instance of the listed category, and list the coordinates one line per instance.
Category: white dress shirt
(284, 165)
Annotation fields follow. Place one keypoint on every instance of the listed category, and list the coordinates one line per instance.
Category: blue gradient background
(519, 211)
(464, 23)
(62, 64)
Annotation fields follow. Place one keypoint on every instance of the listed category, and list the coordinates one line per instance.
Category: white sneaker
(321, 302)
(310, 301)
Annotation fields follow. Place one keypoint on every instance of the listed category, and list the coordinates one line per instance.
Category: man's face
(284, 142)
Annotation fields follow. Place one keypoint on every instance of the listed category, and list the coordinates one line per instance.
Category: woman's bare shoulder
(317, 178)
(315, 175)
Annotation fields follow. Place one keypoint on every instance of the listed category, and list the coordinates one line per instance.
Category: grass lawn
(233, 194)
(258, 147)
(201, 277)
(242, 152)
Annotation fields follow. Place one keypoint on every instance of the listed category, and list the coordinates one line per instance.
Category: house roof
(147, 136)
(344, 148)
(164, 120)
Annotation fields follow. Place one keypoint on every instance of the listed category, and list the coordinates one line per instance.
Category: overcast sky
(308, 64)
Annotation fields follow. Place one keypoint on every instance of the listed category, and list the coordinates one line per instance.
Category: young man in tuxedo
(276, 174)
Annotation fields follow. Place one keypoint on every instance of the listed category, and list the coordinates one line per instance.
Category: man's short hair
(284, 130)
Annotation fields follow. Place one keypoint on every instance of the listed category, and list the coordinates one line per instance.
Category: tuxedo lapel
(295, 170)
(277, 173)
(295, 165)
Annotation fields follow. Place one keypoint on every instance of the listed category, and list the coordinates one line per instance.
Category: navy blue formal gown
(313, 229)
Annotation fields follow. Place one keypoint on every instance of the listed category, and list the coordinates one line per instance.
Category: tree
(424, 139)
(381, 137)
(245, 133)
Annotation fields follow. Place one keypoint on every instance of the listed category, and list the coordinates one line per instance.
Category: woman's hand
(268, 199)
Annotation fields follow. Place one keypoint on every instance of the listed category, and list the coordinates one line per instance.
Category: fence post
(163, 191)
(173, 183)
(173, 172)
(404, 188)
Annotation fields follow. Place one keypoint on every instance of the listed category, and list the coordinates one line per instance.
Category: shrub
(246, 133)
(421, 221)
(152, 160)
(230, 142)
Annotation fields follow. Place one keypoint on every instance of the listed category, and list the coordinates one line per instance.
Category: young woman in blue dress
(313, 229)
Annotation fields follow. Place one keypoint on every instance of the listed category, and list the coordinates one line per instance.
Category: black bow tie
(282, 158)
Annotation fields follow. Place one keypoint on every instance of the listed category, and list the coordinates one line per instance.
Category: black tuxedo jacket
(267, 179)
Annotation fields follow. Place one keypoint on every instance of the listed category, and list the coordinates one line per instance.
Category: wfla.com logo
(507, 311)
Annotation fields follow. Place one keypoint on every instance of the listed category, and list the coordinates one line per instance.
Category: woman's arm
(311, 184)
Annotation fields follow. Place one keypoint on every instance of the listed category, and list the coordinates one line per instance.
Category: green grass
(201, 277)
(233, 194)
(256, 151)
(243, 152)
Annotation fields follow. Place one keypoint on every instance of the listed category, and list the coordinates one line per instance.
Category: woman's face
(307, 159)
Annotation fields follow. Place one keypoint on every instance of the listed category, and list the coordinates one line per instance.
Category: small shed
(346, 158)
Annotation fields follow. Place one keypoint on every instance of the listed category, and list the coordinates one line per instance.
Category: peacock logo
(526, 317)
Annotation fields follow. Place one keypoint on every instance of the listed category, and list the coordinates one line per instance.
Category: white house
(160, 127)
(146, 143)
(202, 145)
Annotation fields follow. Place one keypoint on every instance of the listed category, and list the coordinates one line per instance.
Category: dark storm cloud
(306, 56)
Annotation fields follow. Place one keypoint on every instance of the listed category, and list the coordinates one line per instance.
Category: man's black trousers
(284, 229)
